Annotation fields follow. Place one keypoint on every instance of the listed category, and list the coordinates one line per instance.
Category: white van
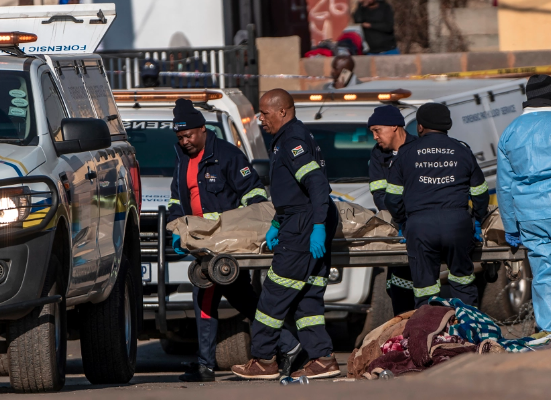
(69, 203)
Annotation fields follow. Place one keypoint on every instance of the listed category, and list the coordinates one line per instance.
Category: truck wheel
(381, 304)
(108, 333)
(4, 367)
(505, 300)
(37, 350)
(175, 348)
(234, 343)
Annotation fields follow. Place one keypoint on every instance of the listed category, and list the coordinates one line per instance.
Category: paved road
(501, 376)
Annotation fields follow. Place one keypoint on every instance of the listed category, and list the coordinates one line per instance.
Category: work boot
(201, 374)
(257, 369)
(292, 360)
(323, 367)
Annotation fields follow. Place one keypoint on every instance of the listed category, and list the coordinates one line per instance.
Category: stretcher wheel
(223, 269)
(197, 277)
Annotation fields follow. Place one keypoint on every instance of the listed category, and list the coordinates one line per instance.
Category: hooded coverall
(226, 180)
(524, 197)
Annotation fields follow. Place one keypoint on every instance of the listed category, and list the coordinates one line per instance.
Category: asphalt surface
(500, 376)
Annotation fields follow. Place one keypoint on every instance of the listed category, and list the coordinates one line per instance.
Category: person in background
(342, 72)
(524, 190)
(377, 19)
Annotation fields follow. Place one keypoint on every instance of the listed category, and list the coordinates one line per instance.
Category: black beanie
(186, 116)
(539, 86)
(386, 115)
(434, 116)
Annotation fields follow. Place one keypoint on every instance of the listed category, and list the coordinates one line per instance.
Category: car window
(236, 137)
(411, 128)
(54, 107)
(346, 149)
(154, 143)
(17, 122)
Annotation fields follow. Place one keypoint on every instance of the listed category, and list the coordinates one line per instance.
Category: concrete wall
(278, 56)
(423, 64)
(524, 24)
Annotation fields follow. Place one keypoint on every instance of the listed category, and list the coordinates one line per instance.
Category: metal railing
(123, 67)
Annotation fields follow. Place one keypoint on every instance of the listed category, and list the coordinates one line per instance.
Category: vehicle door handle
(91, 175)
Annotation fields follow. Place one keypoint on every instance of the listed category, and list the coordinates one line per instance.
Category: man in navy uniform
(212, 176)
(430, 184)
(301, 234)
(387, 125)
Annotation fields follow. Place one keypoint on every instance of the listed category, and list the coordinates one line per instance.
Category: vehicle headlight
(14, 205)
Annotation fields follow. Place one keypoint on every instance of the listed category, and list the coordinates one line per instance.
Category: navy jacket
(379, 170)
(435, 172)
(225, 178)
(297, 172)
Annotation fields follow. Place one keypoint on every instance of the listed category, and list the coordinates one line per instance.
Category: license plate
(146, 272)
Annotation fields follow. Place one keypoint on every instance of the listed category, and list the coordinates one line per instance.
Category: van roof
(11, 63)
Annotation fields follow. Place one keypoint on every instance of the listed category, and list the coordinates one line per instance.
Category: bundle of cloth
(431, 335)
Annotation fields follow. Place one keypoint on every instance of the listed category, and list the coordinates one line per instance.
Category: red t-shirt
(192, 171)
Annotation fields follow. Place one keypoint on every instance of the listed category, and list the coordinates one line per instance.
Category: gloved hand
(177, 246)
(271, 237)
(513, 239)
(317, 241)
(478, 232)
(400, 233)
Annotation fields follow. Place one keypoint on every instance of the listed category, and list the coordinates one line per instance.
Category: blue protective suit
(524, 197)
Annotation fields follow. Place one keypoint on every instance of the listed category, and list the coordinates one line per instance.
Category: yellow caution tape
(543, 69)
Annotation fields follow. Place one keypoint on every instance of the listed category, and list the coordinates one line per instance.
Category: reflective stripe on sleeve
(286, 282)
(463, 280)
(173, 201)
(394, 189)
(214, 216)
(306, 169)
(427, 291)
(478, 190)
(310, 321)
(267, 320)
(253, 193)
(378, 185)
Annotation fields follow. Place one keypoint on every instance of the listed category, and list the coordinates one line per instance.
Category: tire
(108, 335)
(381, 304)
(504, 300)
(234, 343)
(4, 366)
(37, 350)
(175, 348)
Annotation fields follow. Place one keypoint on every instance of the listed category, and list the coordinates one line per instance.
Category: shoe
(257, 369)
(293, 360)
(323, 367)
(201, 374)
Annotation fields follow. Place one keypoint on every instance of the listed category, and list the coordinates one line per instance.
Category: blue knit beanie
(186, 116)
(386, 115)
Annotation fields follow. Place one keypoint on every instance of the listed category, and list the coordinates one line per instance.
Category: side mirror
(83, 134)
(262, 168)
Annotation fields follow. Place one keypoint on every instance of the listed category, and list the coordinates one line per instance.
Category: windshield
(154, 143)
(16, 108)
(346, 149)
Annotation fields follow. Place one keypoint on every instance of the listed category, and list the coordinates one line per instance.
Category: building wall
(524, 24)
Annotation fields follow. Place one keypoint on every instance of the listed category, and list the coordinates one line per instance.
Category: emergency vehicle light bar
(14, 38)
(122, 96)
(345, 96)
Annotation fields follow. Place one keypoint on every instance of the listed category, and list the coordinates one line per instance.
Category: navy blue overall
(430, 185)
(296, 282)
(399, 284)
(226, 181)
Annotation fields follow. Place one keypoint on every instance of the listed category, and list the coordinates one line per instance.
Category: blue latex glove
(317, 241)
(177, 246)
(478, 232)
(271, 237)
(400, 233)
(513, 239)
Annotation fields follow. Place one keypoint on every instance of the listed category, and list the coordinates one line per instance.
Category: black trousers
(399, 286)
(441, 235)
(295, 282)
(242, 297)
